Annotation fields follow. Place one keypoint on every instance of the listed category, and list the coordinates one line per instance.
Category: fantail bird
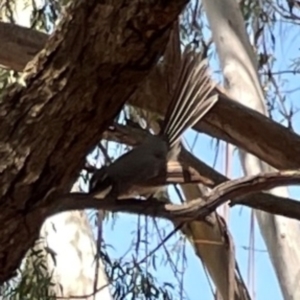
(190, 101)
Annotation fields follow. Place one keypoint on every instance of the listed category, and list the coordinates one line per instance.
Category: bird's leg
(150, 197)
(115, 192)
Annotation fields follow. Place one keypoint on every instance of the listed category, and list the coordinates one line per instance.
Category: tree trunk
(72, 256)
(74, 266)
(74, 89)
(239, 66)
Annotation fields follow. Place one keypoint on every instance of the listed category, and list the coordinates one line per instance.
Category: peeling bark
(90, 66)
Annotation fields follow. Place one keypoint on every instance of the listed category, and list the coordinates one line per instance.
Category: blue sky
(196, 285)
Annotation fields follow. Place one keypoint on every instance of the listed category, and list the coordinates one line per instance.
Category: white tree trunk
(211, 242)
(239, 67)
(68, 235)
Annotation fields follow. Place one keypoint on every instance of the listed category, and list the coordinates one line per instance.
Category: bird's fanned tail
(191, 99)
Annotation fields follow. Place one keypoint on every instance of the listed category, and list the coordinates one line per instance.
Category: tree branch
(196, 209)
(210, 177)
(239, 188)
(19, 45)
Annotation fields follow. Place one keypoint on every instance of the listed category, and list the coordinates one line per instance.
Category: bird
(190, 101)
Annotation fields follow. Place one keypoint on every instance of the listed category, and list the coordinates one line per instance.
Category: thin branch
(197, 209)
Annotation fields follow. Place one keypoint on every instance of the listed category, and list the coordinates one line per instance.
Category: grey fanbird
(191, 100)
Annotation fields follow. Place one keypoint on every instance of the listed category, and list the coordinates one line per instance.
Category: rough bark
(69, 234)
(90, 66)
(240, 71)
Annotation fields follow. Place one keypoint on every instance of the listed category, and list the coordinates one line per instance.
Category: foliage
(32, 282)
